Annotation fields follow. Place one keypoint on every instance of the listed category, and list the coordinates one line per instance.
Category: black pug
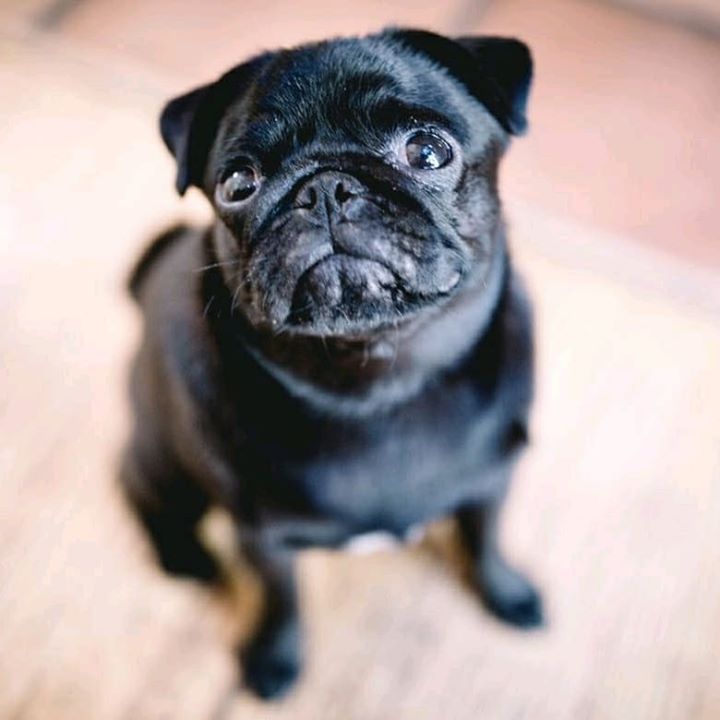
(347, 348)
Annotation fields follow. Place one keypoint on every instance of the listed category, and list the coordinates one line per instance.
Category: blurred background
(613, 202)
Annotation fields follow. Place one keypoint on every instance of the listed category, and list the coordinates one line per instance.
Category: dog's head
(354, 180)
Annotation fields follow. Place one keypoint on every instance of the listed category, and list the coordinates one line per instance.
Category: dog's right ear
(496, 71)
(189, 123)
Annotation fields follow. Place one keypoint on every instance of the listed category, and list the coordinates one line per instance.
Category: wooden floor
(613, 205)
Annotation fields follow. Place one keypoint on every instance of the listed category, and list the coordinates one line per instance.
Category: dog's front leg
(271, 661)
(506, 592)
(169, 505)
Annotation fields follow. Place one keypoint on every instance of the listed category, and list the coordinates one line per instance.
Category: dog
(347, 348)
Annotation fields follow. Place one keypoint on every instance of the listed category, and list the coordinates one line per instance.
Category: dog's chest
(401, 469)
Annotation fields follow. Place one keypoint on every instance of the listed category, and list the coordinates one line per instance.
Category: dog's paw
(523, 610)
(268, 673)
(511, 597)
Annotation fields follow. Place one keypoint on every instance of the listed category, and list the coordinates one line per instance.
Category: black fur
(151, 254)
(348, 349)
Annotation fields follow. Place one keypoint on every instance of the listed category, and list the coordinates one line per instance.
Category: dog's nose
(331, 189)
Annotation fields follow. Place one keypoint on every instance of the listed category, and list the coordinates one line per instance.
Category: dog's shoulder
(178, 355)
(150, 256)
(167, 284)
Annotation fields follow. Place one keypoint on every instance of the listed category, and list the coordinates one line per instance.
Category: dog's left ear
(189, 123)
(494, 70)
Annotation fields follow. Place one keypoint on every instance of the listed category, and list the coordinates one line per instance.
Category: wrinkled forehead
(347, 90)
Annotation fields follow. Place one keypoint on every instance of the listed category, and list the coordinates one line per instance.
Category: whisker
(297, 311)
(235, 298)
(216, 265)
(207, 306)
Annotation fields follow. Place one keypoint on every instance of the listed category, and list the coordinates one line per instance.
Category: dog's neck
(357, 378)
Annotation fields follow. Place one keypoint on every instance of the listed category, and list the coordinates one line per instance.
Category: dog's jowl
(347, 348)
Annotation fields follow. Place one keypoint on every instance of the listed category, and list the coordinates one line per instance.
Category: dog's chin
(373, 336)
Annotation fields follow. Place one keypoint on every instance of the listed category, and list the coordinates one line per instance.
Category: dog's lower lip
(362, 335)
(353, 334)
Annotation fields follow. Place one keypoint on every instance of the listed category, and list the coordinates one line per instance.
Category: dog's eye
(238, 186)
(426, 151)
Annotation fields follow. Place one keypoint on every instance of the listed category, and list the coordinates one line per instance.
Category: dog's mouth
(342, 295)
